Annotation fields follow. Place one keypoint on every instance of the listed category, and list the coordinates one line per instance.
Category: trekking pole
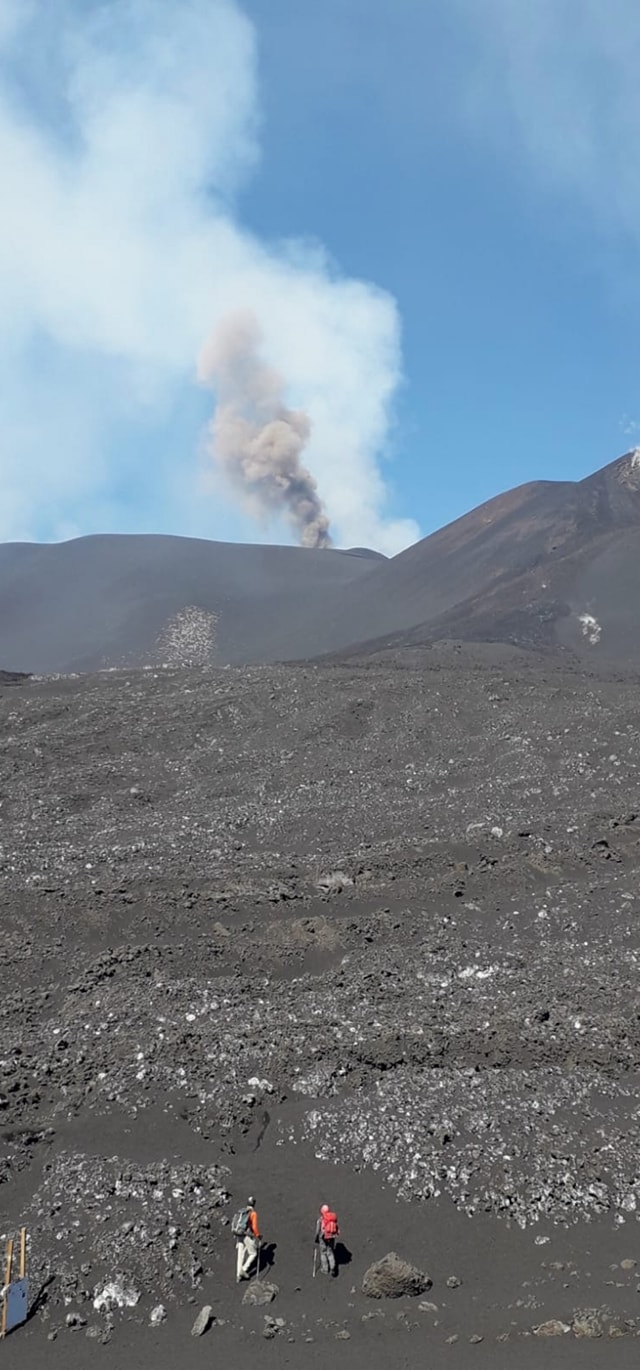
(258, 1259)
(315, 1260)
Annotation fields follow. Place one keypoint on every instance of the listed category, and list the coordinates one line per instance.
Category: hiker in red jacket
(326, 1232)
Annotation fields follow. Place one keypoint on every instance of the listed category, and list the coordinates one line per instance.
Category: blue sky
(518, 305)
(430, 206)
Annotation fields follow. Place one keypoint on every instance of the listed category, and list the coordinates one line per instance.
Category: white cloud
(557, 80)
(119, 250)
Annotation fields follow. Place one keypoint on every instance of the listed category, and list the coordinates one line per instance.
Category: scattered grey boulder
(552, 1328)
(453, 1282)
(117, 1293)
(393, 1278)
(587, 1324)
(263, 1086)
(203, 1321)
(272, 1326)
(260, 1292)
(75, 1320)
(157, 1315)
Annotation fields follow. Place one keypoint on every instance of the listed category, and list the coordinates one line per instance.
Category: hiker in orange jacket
(326, 1232)
(248, 1243)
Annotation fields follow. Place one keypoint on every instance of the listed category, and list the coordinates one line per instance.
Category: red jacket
(327, 1226)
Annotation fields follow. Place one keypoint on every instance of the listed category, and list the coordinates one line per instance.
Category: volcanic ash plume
(255, 439)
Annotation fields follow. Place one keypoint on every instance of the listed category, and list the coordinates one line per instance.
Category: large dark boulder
(393, 1278)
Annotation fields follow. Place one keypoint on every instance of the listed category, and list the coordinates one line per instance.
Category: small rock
(476, 1339)
(75, 1320)
(451, 1341)
(343, 1335)
(264, 1086)
(158, 1315)
(115, 1294)
(428, 1307)
(628, 1265)
(552, 1328)
(587, 1325)
(453, 1282)
(52, 1336)
(202, 1322)
(260, 1292)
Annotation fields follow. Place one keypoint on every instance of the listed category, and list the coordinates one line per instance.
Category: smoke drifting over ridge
(255, 440)
(127, 131)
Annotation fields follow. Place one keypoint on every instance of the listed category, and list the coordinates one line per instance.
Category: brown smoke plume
(255, 439)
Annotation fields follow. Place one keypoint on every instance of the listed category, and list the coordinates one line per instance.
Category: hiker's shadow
(267, 1255)
(342, 1254)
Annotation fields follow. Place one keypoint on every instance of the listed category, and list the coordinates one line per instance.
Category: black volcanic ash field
(364, 932)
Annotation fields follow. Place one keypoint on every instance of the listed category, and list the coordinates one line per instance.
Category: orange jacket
(253, 1223)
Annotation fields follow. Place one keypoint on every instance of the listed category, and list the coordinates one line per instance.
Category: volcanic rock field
(364, 932)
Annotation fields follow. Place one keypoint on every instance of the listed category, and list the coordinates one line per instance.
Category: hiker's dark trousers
(327, 1255)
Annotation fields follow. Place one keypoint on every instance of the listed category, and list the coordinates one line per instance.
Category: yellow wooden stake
(9, 1261)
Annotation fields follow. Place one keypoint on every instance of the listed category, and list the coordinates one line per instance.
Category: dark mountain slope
(119, 600)
(533, 565)
(547, 564)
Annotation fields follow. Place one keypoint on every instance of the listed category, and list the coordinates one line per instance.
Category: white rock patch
(591, 629)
